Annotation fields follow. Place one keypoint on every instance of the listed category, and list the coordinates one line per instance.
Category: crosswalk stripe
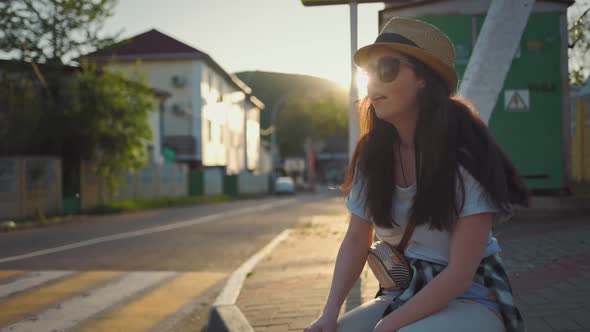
(146, 312)
(79, 308)
(5, 274)
(31, 280)
(27, 303)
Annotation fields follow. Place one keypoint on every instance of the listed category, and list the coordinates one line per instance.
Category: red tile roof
(153, 42)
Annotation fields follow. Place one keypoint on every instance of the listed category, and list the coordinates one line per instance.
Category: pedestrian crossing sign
(516, 100)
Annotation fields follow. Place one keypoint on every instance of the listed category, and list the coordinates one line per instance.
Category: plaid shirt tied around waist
(490, 273)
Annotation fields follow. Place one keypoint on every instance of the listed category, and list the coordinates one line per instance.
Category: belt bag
(388, 263)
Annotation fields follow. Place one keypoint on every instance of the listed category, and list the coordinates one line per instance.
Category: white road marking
(31, 280)
(72, 312)
(147, 231)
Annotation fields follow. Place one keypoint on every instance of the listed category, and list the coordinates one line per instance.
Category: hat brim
(448, 74)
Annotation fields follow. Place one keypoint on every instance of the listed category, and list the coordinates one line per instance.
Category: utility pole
(353, 115)
(274, 151)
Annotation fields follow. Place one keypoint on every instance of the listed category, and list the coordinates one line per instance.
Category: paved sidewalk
(548, 260)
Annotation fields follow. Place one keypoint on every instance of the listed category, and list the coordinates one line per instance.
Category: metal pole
(579, 140)
(274, 151)
(353, 118)
(245, 136)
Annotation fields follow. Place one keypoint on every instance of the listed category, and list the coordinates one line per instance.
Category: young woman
(425, 156)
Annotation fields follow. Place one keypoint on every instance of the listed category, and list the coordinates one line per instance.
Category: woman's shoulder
(471, 186)
(358, 176)
(466, 176)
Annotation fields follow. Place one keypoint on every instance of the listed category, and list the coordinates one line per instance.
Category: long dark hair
(449, 133)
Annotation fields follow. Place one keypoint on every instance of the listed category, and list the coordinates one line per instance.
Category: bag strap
(406, 237)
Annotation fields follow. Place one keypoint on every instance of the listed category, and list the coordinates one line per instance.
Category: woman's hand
(325, 323)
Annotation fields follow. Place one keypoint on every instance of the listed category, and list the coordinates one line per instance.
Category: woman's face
(397, 97)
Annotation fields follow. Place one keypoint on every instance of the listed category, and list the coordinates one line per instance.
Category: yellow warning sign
(516, 100)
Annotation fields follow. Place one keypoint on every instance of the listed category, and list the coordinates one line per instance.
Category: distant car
(284, 185)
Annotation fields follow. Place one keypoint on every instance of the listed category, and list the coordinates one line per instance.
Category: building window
(219, 92)
(209, 131)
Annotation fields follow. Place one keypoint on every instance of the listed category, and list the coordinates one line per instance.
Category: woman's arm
(350, 261)
(468, 243)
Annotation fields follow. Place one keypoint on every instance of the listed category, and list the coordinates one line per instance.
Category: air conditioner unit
(179, 81)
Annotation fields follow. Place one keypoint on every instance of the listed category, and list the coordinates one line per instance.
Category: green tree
(55, 109)
(53, 31)
(21, 113)
(579, 41)
(104, 118)
(317, 118)
(109, 122)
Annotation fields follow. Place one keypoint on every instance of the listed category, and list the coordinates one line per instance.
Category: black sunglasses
(386, 69)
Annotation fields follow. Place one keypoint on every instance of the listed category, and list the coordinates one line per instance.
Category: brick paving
(548, 261)
(289, 287)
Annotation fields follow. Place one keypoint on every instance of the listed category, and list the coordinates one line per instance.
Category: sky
(267, 35)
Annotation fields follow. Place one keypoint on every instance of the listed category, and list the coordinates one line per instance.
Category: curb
(228, 318)
(225, 316)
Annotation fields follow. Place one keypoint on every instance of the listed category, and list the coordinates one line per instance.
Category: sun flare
(361, 83)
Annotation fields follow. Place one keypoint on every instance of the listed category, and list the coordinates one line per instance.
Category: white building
(211, 117)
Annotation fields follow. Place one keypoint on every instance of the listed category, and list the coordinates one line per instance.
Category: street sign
(333, 2)
(516, 100)
(497, 43)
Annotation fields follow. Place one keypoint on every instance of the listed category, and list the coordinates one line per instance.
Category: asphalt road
(126, 266)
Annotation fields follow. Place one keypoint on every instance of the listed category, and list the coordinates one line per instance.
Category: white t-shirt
(430, 245)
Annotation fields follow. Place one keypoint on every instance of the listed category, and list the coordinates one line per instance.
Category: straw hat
(420, 40)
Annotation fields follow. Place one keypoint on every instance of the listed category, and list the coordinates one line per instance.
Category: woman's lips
(378, 98)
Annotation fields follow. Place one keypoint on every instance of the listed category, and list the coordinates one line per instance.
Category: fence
(246, 183)
(252, 184)
(93, 188)
(212, 181)
(207, 181)
(581, 143)
(153, 181)
(165, 180)
(30, 186)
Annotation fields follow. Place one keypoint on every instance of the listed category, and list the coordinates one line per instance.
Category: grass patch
(122, 206)
(154, 203)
